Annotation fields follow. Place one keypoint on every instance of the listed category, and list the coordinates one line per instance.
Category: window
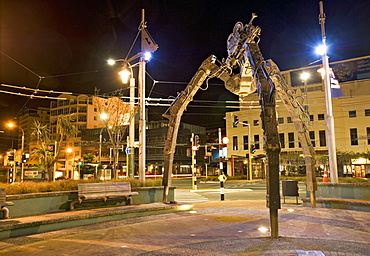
(312, 138)
(352, 113)
(353, 136)
(245, 123)
(280, 120)
(322, 138)
(289, 120)
(235, 142)
(82, 118)
(256, 122)
(291, 139)
(282, 140)
(311, 118)
(367, 112)
(320, 117)
(245, 142)
(257, 141)
(368, 135)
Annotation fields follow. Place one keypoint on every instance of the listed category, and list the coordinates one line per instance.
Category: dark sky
(68, 42)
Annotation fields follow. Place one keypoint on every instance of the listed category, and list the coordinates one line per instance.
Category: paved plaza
(209, 228)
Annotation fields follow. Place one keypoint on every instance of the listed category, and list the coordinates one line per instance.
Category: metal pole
(142, 126)
(222, 192)
(250, 153)
(131, 166)
(193, 173)
(329, 109)
(100, 142)
(22, 148)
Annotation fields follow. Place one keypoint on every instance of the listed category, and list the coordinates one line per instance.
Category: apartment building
(351, 113)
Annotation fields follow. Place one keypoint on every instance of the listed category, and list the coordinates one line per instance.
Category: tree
(118, 115)
(86, 168)
(46, 157)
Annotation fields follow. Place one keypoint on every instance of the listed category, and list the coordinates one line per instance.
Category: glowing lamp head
(103, 116)
(111, 62)
(305, 76)
(69, 150)
(125, 75)
(10, 125)
(321, 50)
(147, 56)
(225, 140)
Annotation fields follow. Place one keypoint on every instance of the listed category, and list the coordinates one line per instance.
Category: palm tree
(47, 158)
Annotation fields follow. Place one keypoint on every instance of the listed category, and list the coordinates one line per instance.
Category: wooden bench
(4, 203)
(103, 192)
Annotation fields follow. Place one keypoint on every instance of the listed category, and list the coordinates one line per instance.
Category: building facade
(351, 113)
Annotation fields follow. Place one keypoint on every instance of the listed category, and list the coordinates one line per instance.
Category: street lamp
(11, 125)
(103, 116)
(329, 108)
(304, 77)
(70, 150)
(147, 46)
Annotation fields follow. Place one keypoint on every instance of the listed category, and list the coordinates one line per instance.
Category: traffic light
(207, 159)
(51, 148)
(24, 159)
(253, 148)
(235, 121)
(196, 143)
(80, 161)
(11, 156)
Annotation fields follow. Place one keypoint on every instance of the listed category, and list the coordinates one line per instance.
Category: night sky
(68, 43)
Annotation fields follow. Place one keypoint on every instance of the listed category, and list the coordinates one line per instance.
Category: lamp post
(147, 46)
(250, 152)
(304, 77)
(70, 150)
(103, 116)
(11, 125)
(329, 108)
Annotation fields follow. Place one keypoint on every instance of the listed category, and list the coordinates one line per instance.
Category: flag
(334, 83)
(147, 42)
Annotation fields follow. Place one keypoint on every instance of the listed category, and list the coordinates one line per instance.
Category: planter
(50, 202)
(359, 191)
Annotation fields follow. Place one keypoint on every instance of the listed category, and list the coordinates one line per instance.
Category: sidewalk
(211, 228)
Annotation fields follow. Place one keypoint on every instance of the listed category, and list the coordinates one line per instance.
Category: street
(234, 190)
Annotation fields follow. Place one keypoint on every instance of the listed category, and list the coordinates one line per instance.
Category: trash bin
(290, 188)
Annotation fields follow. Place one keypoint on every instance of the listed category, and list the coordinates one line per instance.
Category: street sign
(128, 151)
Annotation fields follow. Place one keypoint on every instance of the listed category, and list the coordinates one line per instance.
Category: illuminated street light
(329, 108)
(321, 50)
(125, 75)
(304, 77)
(147, 46)
(11, 125)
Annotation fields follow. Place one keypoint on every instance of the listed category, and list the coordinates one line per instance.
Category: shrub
(27, 187)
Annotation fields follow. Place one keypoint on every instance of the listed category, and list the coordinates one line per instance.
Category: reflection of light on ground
(290, 210)
(185, 207)
(193, 212)
(263, 229)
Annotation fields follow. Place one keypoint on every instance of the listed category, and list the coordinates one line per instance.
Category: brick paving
(211, 228)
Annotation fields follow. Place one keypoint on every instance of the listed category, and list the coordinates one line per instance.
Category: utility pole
(329, 108)
(142, 122)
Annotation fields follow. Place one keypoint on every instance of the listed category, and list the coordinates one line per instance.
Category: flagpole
(329, 109)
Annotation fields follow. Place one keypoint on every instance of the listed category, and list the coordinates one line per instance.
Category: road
(234, 190)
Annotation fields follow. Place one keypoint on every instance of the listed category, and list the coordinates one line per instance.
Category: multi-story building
(85, 114)
(351, 113)
(156, 137)
(27, 117)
